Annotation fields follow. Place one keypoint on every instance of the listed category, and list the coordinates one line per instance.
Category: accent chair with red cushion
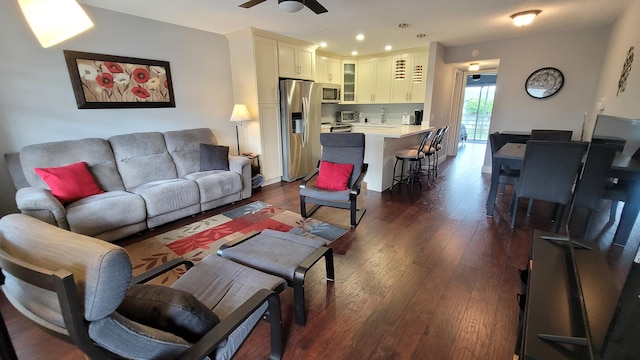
(339, 176)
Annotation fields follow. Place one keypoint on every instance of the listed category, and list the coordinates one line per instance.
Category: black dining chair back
(595, 177)
(507, 175)
(551, 135)
(549, 170)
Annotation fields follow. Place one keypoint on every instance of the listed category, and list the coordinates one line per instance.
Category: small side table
(252, 157)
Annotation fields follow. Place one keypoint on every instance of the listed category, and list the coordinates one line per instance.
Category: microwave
(348, 116)
(330, 93)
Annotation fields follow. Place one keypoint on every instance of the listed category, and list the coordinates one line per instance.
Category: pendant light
(400, 72)
(416, 74)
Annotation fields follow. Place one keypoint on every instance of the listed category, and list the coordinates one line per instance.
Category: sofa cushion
(184, 147)
(142, 158)
(165, 196)
(168, 309)
(214, 157)
(216, 184)
(95, 152)
(69, 183)
(98, 214)
(333, 176)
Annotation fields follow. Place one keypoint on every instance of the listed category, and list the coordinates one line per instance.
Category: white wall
(624, 34)
(37, 102)
(578, 54)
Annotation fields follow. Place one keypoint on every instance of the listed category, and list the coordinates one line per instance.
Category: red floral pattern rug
(202, 238)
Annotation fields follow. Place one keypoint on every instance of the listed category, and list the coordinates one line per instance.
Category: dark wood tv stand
(553, 302)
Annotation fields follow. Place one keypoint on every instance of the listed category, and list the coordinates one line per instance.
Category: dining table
(623, 167)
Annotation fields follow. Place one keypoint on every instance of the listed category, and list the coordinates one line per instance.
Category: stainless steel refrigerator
(300, 115)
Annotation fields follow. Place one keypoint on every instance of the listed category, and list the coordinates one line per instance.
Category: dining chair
(617, 190)
(595, 176)
(549, 170)
(551, 135)
(507, 175)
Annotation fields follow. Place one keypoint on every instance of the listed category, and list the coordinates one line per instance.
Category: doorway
(477, 106)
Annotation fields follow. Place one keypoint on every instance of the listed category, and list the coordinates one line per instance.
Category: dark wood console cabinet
(553, 300)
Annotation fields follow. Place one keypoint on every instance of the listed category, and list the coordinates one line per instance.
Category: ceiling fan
(291, 5)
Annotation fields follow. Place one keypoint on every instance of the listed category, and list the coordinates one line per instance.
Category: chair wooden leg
(613, 211)
(274, 317)
(514, 210)
(303, 207)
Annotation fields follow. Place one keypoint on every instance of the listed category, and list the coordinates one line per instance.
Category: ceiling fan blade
(315, 6)
(251, 3)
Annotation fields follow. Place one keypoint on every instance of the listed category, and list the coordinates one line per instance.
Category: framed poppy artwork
(106, 81)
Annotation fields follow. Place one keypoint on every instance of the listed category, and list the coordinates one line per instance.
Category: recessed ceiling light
(323, 44)
(354, 53)
(360, 37)
(388, 47)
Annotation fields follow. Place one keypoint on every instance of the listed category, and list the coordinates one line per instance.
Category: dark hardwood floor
(426, 275)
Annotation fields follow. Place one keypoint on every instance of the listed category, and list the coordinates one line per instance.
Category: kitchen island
(381, 143)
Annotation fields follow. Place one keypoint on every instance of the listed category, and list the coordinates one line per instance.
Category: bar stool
(414, 157)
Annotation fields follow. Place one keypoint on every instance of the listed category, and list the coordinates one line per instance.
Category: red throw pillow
(334, 176)
(70, 183)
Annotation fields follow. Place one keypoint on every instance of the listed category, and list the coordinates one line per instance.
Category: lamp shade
(240, 113)
(53, 21)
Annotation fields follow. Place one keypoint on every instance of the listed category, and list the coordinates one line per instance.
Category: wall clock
(544, 82)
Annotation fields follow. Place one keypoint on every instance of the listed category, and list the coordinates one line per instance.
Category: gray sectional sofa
(148, 179)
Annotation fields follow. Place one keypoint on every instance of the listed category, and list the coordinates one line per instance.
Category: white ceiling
(451, 22)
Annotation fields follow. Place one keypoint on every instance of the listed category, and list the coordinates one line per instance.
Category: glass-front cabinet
(348, 82)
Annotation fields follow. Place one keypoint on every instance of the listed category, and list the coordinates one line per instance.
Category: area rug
(201, 238)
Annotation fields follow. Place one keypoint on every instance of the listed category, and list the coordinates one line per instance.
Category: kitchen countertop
(389, 130)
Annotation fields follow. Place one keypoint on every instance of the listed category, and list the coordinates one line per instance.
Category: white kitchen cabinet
(296, 61)
(411, 89)
(271, 141)
(266, 51)
(349, 90)
(254, 68)
(374, 80)
(328, 70)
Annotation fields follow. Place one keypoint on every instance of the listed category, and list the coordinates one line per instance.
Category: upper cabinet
(328, 70)
(266, 52)
(374, 80)
(349, 82)
(410, 87)
(296, 61)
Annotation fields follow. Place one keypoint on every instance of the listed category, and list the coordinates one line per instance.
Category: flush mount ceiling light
(290, 5)
(360, 37)
(474, 66)
(54, 21)
(525, 17)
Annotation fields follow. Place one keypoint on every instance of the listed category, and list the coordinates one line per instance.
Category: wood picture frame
(105, 81)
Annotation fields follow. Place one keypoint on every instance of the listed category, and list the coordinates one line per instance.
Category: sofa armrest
(242, 166)
(42, 205)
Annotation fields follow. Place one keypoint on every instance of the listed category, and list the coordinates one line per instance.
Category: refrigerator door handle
(305, 121)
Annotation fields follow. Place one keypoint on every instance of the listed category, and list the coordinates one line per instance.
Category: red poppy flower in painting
(115, 68)
(140, 92)
(141, 75)
(105, 80)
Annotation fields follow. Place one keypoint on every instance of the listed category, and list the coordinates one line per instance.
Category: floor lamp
(240, 114)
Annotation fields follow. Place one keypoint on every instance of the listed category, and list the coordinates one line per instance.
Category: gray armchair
(81, 289)
(337, 148)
